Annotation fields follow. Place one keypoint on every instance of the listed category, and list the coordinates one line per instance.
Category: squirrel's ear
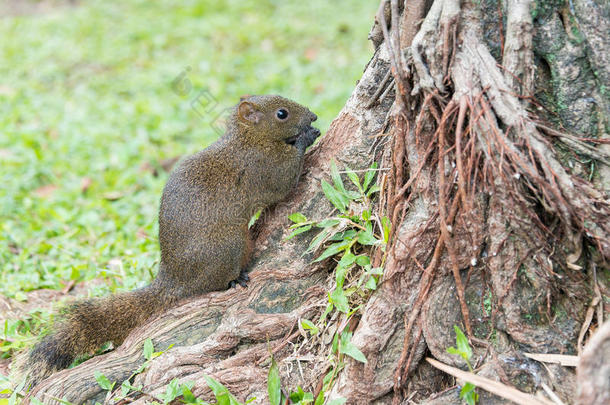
(248, 112)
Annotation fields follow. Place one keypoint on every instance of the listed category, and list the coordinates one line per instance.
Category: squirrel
(206, 205)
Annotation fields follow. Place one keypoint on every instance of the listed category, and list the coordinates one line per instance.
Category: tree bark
(490, 125)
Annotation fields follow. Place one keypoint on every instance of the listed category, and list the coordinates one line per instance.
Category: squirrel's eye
(282, 114)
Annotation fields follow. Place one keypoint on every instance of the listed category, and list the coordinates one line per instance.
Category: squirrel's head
(275, 116)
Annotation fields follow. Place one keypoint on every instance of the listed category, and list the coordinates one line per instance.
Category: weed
(467, 393)
(346, 237)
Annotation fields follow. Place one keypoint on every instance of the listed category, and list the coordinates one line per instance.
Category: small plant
(463, 350)
(354, 228)
(175, 390)
(14, 394)
(349, 237)
(298, 397)
(126, 387)
(276, 395)
(274, 384)
(16, 334)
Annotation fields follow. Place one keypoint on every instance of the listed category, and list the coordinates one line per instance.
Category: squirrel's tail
(87, 324)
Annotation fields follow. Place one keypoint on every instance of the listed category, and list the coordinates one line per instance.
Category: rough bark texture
(594, 369)
(490, 123)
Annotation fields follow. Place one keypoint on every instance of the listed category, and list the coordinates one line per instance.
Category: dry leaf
(563, 359)
(495, 387)
(113, 195)
(45, 191)
(85, 183)
(311, 54)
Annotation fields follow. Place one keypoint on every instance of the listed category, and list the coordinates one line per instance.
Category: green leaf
(353, 311)
(298, 395)
(328, 222)
(344, 264)
(339, 300)
(354, 178)
(125, 388)
(254, 218)
(369, 176)
(13, 398)
(329, 308)
(367, 238)
(334, 347)
(347, 260)
(363, 260)
(366, 215)
(172, 391)
(336, 176)
(340, 276)
(148, 349)
(187, 394)
(345, 235)
(348, 348)
(387, 227)
(274, 385)
(340, 201)
(320, 398)
(332, 250)
(352, 195)
(374, 189)
(222, 394)
(297, 218)
(468, 394)
(20, 296)
(371, 283)
(338, 401)
(307, 324)
(103, 381)
(328, 378)
(317, 241)
(453, 350)
(462, 343)
(298, 231)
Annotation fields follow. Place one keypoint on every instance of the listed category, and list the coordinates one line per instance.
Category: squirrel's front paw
(307, 138)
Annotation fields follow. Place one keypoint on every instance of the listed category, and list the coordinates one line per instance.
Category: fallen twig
(495, 387)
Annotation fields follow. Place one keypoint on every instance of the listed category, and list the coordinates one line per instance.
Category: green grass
(86, 96)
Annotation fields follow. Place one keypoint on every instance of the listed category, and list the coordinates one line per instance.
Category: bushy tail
(86, 325)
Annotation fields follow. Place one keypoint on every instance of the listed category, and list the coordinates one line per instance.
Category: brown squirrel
(203, 227)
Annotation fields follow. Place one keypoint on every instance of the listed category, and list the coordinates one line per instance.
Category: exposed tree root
(494, 147)
(594, 371)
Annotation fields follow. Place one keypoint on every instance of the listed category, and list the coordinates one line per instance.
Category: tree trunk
(490, 124)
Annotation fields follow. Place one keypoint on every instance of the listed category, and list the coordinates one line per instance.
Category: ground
(96, 99)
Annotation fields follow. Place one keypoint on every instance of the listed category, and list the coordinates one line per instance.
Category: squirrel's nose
(313, 116)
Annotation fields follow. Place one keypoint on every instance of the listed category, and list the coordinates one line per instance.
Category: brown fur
(206, 205)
